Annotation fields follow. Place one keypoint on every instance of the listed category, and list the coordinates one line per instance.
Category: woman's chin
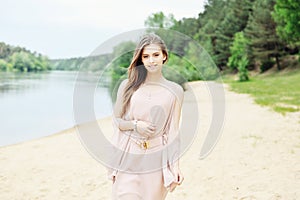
(153, 69)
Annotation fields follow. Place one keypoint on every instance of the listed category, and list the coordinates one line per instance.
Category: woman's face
(153, 58)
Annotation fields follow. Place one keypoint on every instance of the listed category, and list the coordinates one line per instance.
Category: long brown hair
(136, 71)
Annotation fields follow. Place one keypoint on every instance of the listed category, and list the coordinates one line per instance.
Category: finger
(180, 179)
(150, 131)
(152, 127)
(151, 123)
(145, 133)
(173, 186)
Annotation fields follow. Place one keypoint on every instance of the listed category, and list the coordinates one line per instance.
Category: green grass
(279, 91)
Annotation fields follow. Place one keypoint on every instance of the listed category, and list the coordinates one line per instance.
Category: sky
(74, 28)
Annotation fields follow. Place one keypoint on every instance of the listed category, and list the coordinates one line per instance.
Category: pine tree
(265, 45)
(237, 14)
(208, 22)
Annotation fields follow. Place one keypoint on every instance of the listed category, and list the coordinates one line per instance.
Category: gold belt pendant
(145, 144)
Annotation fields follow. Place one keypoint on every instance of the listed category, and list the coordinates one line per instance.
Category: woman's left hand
(179, 179)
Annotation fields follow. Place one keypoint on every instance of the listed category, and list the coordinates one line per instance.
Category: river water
(33, 105)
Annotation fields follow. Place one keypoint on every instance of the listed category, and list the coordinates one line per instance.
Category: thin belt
(149, 143)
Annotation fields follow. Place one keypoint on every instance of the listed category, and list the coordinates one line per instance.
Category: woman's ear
(164, 58)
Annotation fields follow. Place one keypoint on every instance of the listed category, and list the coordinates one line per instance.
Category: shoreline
(39, 138)
(64, 131)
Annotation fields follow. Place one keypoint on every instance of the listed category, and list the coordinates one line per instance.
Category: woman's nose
(151, 59)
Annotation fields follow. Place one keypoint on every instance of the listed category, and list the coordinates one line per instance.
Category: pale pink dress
(146, 173)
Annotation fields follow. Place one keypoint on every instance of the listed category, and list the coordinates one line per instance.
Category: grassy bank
(280, 91)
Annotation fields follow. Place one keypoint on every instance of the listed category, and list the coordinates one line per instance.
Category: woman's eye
(156, 55)
(145, 56)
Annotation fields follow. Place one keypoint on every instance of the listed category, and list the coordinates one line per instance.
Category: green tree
(5, 50)
(235, 20)
(287, 16)
(243, 71)
(21, 61)
(3, 65)
(180, 70)
(239, 56)
(160, 20)
(122, 55)
(266, 47)
(209, 21)
(238, 51)
(201, 66)
(158, 23)
(27, 62)
(40, 63)
(187, 26)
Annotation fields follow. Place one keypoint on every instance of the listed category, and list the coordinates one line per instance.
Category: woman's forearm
(125, 125)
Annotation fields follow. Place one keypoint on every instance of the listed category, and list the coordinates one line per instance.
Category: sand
(256, 157)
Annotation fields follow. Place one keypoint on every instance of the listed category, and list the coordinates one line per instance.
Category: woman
(146, 119)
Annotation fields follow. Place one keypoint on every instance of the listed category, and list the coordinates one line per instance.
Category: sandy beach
(257, 157)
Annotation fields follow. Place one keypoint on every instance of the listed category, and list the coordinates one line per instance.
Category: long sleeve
(172, 139)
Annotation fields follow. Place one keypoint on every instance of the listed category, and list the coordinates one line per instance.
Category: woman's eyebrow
(151, 53)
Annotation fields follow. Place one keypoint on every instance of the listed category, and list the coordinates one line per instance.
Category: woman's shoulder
(176, 88)
(122, 86)
(123, 83)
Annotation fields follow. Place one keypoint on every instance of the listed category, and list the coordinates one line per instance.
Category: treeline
(20, 59)
(242, 35)
(90, 63)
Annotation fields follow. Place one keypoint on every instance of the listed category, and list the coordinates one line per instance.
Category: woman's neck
(157, 78)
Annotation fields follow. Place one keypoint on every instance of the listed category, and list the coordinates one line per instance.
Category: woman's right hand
(146, 129)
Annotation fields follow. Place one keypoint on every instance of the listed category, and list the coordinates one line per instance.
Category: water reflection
(33, 105)
(17, 81)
